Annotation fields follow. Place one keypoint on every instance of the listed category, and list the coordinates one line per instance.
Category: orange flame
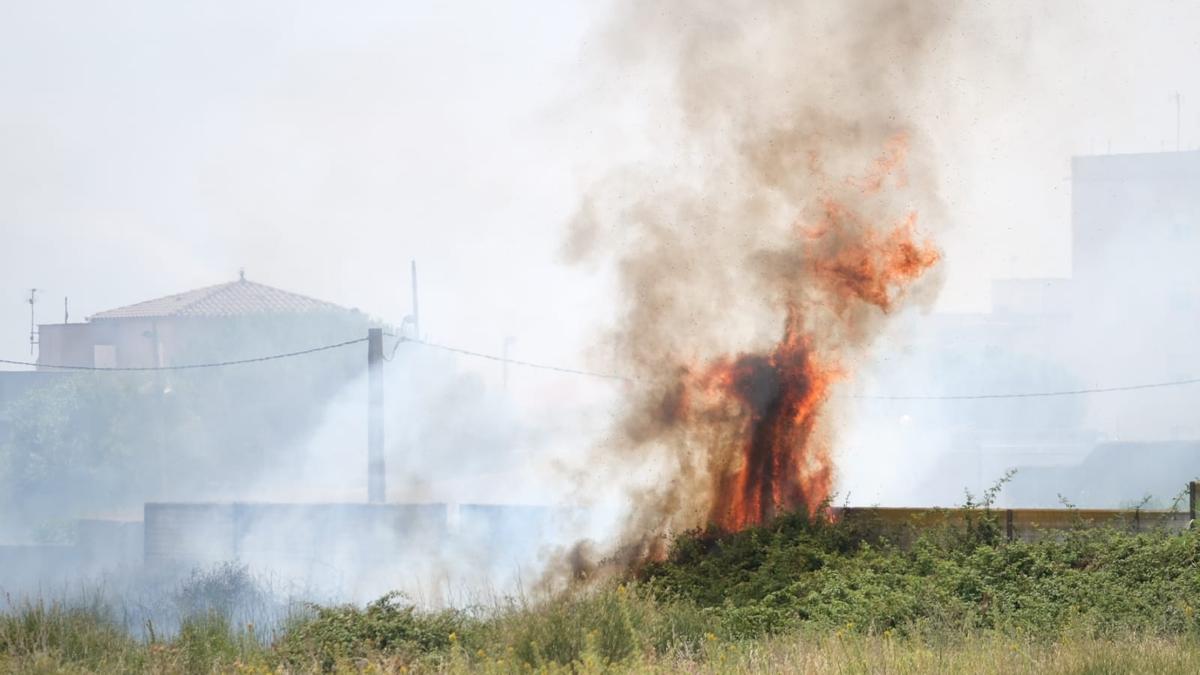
(761, 411)
(780, 466)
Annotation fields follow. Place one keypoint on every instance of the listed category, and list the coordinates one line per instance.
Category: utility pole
(376, 490)
(32, 320)
(416, 309)
(1193, 499)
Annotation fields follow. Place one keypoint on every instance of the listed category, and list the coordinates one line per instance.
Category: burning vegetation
(756, 413)
(760, 259)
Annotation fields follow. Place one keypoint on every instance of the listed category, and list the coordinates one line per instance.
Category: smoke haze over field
(148, 150)
(701, 196)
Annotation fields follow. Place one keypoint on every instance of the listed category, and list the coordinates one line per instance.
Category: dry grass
(866, 655)
(57, 640)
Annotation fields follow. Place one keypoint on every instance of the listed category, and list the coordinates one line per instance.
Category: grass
(213, 647)
(799, 595)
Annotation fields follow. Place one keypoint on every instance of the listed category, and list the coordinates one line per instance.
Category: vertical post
(376, 493)
(1193, 489)
(1008, 524)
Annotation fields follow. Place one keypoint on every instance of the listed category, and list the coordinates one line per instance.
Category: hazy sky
(148, 148)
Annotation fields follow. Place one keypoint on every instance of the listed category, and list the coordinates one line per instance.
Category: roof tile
(237, 298)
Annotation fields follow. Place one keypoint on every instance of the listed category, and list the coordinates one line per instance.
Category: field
(799, 595)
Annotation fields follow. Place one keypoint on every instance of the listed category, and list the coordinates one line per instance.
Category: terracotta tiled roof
(238, 298)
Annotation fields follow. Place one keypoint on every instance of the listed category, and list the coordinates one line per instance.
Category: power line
(950, 397)
(586, 373)
(190, 366)
(1036, 394)
(501, 359)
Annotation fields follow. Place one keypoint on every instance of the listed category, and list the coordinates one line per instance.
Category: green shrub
(841, 585)
(800, 573)
(205, 641)
(331, 634)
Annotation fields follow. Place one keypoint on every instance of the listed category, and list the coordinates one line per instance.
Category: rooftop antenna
(32, 319)
(66, 311)
(241, 274)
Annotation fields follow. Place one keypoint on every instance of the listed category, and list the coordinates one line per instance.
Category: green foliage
(799, 574)
(208, 639)
(85, 636)
(333, 634)
(220, 591)
(953, 598)
(610, 624)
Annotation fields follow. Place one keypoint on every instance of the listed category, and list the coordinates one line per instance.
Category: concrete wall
(187, 536)
(101, 547)
(30, 567)
(1017, 524)
(134, 342)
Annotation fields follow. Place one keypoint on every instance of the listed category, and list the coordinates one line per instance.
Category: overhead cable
(608, 376)
(503, 359)
(190, 366)
(1035, 394)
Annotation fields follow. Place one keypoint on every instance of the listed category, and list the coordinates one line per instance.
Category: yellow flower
(454, 637)
(710, 637)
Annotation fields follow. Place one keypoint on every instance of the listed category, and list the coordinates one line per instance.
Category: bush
(333, 634)
(799, 573)
(839, 586)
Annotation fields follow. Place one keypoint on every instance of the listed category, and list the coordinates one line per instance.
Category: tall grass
(59, 639)
(37, 635)
(796, 596)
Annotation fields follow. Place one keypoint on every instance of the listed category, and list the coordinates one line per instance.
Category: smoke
(785, 217)
(782, 209)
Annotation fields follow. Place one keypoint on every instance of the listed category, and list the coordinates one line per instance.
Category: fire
(782, 221)
(776, 399)
(760, 413)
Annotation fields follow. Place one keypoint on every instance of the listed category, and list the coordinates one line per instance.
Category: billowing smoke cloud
(788, 213)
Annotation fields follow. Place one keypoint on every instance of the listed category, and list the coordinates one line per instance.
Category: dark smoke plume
(787, 213)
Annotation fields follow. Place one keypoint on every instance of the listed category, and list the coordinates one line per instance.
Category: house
(239, 319)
